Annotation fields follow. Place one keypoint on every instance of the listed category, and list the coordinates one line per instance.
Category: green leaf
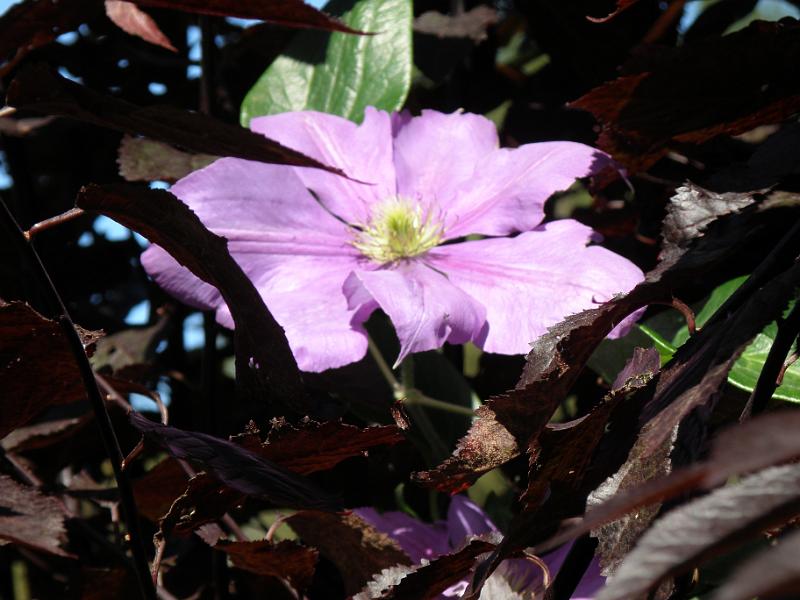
(667, 331)
(340, 73)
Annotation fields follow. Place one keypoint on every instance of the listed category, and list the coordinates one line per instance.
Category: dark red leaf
(156, 490)
(128, 17)
(509, 424)
(204, 501)
(265, 366)
(690, 94)
(311, 446)
(41, 435)
(690, 534)
(236, 467)
(38, 88)
(430, 580)
(30, 519)
(353, 545)
(765, 441)
(289, 13)
(621, 5)
(286, 559)
(33, 23)
(38, 367)
(772, 573)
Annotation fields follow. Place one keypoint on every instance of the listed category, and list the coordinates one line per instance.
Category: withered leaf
(353, 545)
(690, 94)
(430, 580)
(141, 159)
(701, 529)
(236, 467)
(36, 87)
(37, 368)
(265, 366)
(772, 573)
(286, 559)
(310, 446)
(471, 24)
(31, 519)
(131, 19)
(129, 347)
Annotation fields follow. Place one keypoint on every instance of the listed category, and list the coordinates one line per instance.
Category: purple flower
(425, 541)
(325, 251)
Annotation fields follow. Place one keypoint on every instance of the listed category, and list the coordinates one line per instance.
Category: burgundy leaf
(265, 366)
(236, 467)
(141, 159)
(762, 442)
(288, 13)
(430, 580)
(286, 559)
(29, 519)
(690, 94)
(204, 501)
(36, 87)
(38, 367)
(156, 490)
(621, 5)
(128, 17)
(311, 446)
(688, 535)
(353, 545)
(772, 573)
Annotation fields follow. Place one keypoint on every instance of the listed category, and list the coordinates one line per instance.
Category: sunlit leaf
(337, 73)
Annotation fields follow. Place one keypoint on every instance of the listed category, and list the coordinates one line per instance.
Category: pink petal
(436, 153)
(418, 540)
(296, 254)
(425, 308)
(304, 294)
(508, 190)
(179, 281)
(465, 519)
(363, 151)
(531, 282)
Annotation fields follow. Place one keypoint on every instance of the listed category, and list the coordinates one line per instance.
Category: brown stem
(789, 362)
(72, 213)
(685, 310)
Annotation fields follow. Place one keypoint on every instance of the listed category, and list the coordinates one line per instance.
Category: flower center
(398, 228)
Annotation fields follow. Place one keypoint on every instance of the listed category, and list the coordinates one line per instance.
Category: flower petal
(425, 308)
(304, 294)
(363, 152)
(179, 281)
(435, 153)
(509, 188)
(418, 540)
(531, 282)
(465, 519)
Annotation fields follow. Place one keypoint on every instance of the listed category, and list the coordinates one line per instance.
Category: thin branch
(41, 226)
(684, 309)
(109, 437)
(789, 362)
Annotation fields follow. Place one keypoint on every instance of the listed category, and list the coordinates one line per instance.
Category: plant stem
(109, 437)
(383, 366)
(420, 399)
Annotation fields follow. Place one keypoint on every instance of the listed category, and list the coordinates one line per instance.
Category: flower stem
(383, 366)
(416, 397)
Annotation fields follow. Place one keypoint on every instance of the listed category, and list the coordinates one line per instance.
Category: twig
(789, 362)
(41, 226)
(110, 442)
(684, 309)
(775, 364)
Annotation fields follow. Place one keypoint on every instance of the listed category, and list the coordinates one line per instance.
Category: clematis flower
(465, 519)
(325, 251)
